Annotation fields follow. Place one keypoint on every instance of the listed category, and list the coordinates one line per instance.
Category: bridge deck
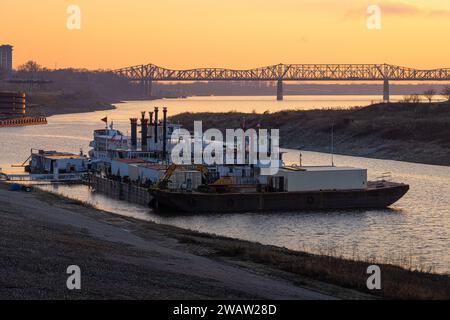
(288, 72)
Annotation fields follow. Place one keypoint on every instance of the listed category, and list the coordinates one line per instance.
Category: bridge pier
(386, 96)
(149, 88)
(280, 90)
(146, 88)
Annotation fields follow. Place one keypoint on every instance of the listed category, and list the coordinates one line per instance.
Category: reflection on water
(416, 230)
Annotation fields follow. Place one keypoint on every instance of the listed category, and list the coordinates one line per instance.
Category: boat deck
(379, 194)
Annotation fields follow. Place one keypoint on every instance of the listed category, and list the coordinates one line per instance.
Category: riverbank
(123, 258)
(412, 132)
(54, 104)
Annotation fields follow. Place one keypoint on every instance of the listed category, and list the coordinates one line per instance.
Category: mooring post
(280, 90)
(386, 97)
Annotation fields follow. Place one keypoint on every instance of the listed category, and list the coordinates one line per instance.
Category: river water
(414, 232)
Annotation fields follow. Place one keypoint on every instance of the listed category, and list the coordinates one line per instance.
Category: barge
(376, 195)
(294, 188)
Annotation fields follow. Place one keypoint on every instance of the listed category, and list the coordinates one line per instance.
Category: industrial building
(119, 167)
(6, 58)
(299, 179)
(12, 105)
(146, 172)
(181, 178)
(13, 111)
(142, 172)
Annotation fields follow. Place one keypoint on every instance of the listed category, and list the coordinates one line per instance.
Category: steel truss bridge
(146, 74)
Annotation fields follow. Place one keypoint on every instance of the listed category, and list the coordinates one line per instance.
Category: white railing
(43, 177)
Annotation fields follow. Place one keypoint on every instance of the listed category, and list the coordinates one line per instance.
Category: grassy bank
(49, 104)
(397, 282)
(413, 132)
(38, 247)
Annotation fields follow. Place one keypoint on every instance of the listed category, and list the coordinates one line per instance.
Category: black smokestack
(164, 132)
(150, 124)
(133, 132)
(156, 124)
(144, 128)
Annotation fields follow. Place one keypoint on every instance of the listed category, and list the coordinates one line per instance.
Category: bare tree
(429, 94)
(30, 66)
(406, 99)
(415, 98)
(446, 93)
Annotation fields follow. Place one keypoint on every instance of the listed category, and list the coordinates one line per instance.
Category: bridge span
(147, 74)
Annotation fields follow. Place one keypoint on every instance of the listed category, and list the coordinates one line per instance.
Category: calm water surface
(415, 231)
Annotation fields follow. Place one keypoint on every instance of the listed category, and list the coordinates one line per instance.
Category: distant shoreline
(48, 104)
(53, 104)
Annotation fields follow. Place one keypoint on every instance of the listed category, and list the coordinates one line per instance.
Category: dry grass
(397, 282)
(374, 131)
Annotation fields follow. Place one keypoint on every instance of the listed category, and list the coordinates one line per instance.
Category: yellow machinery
(223, 184)
(163, 182)
(223, 181)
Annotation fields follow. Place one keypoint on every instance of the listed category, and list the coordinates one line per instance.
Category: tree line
(429, 95)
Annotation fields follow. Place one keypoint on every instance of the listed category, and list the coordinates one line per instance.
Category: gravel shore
(42, 234)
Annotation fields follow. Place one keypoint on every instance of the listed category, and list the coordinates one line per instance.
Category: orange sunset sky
(225, 33)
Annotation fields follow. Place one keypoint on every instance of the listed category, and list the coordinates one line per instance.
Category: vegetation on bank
(49, 104)
(397, 282)
(69, 90)
(102, 84)
(414, 132)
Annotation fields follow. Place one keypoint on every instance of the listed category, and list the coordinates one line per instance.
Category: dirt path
(119, 258)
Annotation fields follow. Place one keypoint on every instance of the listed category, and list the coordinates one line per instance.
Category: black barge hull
(375, 196)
